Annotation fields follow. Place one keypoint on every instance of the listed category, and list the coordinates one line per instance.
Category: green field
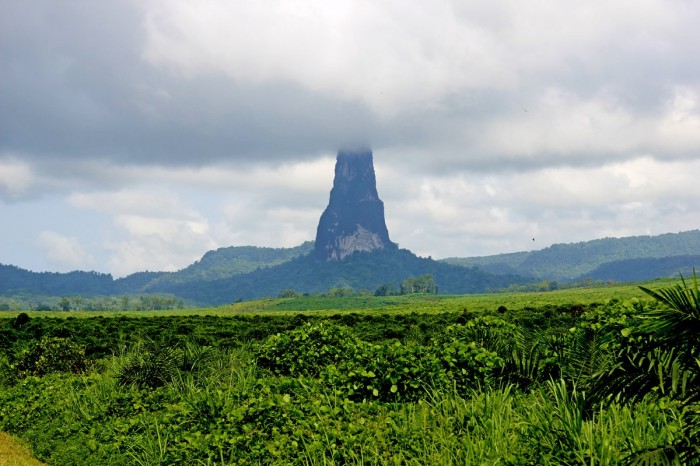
(392, 304)
(603, 376)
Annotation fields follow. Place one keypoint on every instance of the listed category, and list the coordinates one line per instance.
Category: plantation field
(390, 304)
(602, 376)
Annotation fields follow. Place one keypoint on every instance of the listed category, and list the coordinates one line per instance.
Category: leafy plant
(149, 365)
(386, 372)
(51, 354)
(662, 358)
(307, 349)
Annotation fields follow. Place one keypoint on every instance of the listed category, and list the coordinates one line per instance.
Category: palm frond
(678, 320)
(659, 456)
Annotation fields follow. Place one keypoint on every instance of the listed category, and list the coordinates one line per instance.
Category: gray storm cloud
(236, 109)
(162, 82)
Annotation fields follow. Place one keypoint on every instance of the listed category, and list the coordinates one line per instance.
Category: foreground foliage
(605, 385)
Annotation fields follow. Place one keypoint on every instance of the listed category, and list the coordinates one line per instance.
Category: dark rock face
(354, 218)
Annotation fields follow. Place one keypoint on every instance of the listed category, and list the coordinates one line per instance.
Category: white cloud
(16, 178)
(385, 54)
(397, 55)
(65, 252)
(158, 202)
(464, 215)
(158, 244)
(679, 128)
(154, 229)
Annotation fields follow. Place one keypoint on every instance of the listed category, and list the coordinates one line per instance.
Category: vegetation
(613, 382)
(201, 283)
(604, 259)
(232, 274)
(227, 262)
(77, 303)
(360, 271)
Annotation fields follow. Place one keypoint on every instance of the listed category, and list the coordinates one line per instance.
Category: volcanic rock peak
(354, 219)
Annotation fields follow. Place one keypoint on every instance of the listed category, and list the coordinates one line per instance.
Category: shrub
(149, 365)
(386, 372)
(21, 320)
(306, 349)
(492, 333)
(51, 354)
(288, 293)
(468, 365)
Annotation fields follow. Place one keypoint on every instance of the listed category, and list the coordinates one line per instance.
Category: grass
(13, 452)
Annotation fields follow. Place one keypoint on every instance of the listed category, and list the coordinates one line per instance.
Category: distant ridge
(303, 273)
(637, 270)
(228, 262)
(220, 264)
(604, 259)
(360, 271)
(230, 274)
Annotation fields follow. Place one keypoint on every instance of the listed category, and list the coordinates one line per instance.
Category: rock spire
(354, 218)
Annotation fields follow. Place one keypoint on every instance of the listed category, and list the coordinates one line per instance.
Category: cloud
(170, 128)
(16, 178)
(464, 215)
(165, 83)
(65, 252)
(154, 229)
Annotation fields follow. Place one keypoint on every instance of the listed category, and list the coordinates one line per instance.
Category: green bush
(149, 365)
(51, 354)
(8, 374)
(307, 349)
(490, 332)
(468, 365)
(21, 320)
(386, 372)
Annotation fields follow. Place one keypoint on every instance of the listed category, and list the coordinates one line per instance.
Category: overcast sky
(137, 135)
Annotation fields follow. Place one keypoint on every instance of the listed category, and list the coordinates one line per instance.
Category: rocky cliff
(354, 218)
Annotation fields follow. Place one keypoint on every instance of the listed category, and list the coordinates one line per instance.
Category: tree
(386, 290)
(421, 284)
(288, 293)
(64, 304)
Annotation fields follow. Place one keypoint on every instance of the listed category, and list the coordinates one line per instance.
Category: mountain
(605, 259)
(227, 262)
(361, 270)
(14, 280)
(353, 249)
(223, 263)
(303, 273)
(636, 270)
(354, 219)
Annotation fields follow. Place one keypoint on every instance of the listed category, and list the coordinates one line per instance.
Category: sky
(138, 135)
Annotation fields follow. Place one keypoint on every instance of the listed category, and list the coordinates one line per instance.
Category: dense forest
(304, 274)
(600, 259)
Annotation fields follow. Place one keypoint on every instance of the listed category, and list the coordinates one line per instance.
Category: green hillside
(227, 262)
(576, 260)
(360, 271)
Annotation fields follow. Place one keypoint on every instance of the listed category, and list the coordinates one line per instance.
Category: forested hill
(368, 270)
(617, 259)
(303, 274)
(229, 274)
(220, 264)
(225, 263)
